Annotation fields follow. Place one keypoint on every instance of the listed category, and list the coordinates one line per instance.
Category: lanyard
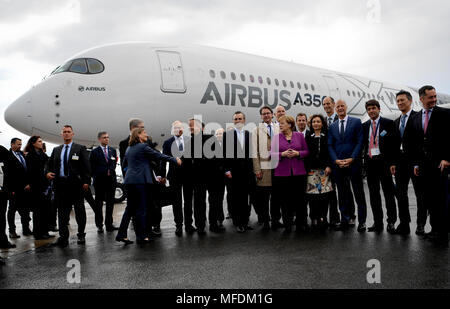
(374, 134)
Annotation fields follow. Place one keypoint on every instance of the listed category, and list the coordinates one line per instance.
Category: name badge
(375, 152)
(75, 157)
(113, 159)
(383, 133)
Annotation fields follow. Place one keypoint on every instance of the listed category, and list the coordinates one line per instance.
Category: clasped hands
(344, 163)
(290, 153)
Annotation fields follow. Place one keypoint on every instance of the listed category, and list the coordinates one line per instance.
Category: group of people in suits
(279, 167)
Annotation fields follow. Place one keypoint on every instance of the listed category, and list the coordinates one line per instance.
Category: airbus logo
(82, 88)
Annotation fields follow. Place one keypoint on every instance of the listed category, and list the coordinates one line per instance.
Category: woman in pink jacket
(289, 181)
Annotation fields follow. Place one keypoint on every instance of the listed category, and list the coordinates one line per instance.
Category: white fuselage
(161, 84)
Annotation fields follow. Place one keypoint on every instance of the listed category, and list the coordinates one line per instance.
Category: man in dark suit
(18, 189)
(4, 158)
(378, 152)
(69, 167)
(239, 168)
(431, 158)
(103, 160)
(329, 108)
(403, 168)
(178, 182)
(302, 124)
(345, 141)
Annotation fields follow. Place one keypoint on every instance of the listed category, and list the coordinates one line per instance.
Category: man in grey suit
(69, 168)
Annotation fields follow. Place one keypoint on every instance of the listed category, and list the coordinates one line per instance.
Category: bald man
(345, 141)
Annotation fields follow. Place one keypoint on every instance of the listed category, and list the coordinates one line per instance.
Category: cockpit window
(81, 66)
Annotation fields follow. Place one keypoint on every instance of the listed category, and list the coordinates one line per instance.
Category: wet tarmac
(253, 260)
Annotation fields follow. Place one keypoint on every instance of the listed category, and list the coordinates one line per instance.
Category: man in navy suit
(378, 152)
(174, 147)
(103, 160)
(431, 158)
(345, 141)
(403, 168)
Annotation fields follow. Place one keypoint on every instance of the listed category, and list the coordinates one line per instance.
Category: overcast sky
(392, 40)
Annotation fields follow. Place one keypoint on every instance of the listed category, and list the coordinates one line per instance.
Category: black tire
(120, 195)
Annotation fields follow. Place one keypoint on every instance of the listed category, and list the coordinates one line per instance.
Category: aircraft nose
(18, 115)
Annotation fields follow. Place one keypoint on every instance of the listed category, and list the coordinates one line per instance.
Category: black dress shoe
(62, 243)
(7, 245)
(302, 228)
(13, 235)
(41, 237)
(214, 228)
(277, 225)
(266, 226)
(112, 228)
(351, 223)
(201, 231)
(81, 240)
(377, 228)
(240, 229)
(420, 230)
(156, 232)
(402, 229)
(390, 228)
(190, 229)
(361, 227)
(53, 229)
(248, 228)
(100, 230)
(221, 227)
(179, 231)
(287, 230)
(27, 232)
(343, 226)
(125, 241)
(143, 241)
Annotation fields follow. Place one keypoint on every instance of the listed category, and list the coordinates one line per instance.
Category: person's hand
(392, 169)
(27, 188)
(348, 161)
(162, 181)
(50, 176)
(179, 162)
(340, 163)
(259, 175)
(444, 164)
(85, 187)
(328, 171)
(286, 153)
(294, 153)
(416, 170)
(228, 174)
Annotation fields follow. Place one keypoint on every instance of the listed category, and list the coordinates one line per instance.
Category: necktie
(65, 163)
(330, 121)
(270, 130)
(372, 139)
(105, 152)
(402, 125)
(342, 129)
(21, 160)
(427, 119)
(180, 145)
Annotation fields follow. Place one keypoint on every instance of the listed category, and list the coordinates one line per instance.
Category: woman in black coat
(36, 160)
(319, 165)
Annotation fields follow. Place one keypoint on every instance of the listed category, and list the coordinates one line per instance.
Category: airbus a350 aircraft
(100, 89)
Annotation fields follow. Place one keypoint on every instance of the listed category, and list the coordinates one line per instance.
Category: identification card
(75, 157)
(375, 152)
(383, 133)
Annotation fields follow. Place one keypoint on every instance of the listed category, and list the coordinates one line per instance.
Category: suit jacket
(237, 160)
(286, 165)
(78, 169)
(351, 145)
(319, 157)
(406, 143)
(196, 164)
(261, 143)
(176, 174)
(35, 171)
(16, 177)
(99, 165)
(137, 159)
(4, 155)
(387, 140)
(433, 147)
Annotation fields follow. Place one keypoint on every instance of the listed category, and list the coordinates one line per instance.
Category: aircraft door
(333, 87)
(172, 76)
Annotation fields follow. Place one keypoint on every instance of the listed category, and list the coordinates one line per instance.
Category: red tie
(427, 119)
(372, 139)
